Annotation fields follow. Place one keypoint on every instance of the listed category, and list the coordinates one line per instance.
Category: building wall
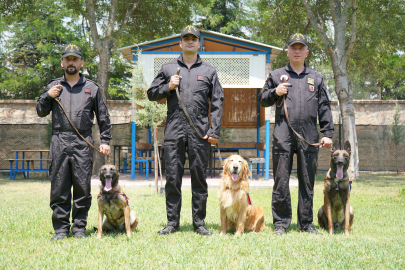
(368, 112)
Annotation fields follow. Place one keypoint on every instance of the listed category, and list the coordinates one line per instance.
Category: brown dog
(113, 202)
(236, 209)
(336, 212)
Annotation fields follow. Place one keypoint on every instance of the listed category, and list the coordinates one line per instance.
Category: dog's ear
(348, 148)
(99, 173)
(246, 169)
(335, 146)
(225, 171)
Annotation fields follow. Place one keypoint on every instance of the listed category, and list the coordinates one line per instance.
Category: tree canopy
(32, 33)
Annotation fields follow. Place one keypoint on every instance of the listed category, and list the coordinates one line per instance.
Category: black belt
(83, 133)
(192, 110)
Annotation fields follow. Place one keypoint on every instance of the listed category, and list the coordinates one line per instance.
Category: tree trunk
(103, 75)
(340, 52)
(342, 87)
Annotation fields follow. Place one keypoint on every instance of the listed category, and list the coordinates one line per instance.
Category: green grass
(377, 237)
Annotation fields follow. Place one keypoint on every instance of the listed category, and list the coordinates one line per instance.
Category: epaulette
(87, 79)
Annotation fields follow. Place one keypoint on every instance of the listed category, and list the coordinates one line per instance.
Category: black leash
(71, 123)
(188, 117)
(284, 103)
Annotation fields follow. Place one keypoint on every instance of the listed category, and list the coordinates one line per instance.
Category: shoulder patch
(311, 81)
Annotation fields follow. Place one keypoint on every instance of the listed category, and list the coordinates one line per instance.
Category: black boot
(168, 229)
(203, 231)
(60, 236)
(80, 234)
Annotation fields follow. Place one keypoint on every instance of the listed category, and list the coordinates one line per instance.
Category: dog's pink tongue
(107, 186)
(339, 172)
(235, 176)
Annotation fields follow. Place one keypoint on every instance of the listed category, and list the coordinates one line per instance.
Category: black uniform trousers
(306, 170)
(71, 164)
(174, 154)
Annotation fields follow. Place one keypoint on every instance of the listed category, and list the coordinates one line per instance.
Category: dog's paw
(238, 234)
(98, 236)
(222, 233)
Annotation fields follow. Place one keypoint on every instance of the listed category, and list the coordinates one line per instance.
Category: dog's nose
(235, 167)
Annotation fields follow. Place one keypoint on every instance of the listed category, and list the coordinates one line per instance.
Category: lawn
(377, 237)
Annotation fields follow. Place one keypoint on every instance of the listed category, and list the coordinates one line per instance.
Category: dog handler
(307, 99)
(71, 158)
(198, 83)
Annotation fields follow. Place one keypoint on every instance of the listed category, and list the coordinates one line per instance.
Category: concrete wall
(368, 112)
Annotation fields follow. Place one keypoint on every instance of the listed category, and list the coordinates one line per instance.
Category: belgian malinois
(336, 213)
(113, 202)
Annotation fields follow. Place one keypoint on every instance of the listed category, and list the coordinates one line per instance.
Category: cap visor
(72, 54)
(294, 42)
(189, 34)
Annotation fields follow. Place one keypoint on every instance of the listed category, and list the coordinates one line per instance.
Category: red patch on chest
(87, 91)
(200, 78)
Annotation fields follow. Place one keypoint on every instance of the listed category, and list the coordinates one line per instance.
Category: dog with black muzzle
(236, 209)
(113, 202)
(336, 212)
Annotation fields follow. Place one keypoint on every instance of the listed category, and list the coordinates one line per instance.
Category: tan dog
(336, 211)
(113, 202)
(236, 212)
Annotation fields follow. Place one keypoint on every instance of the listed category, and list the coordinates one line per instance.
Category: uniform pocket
(86, 119)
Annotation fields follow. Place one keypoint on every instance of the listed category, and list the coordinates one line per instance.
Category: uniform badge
(200, 78)
(311, 88)
(87, 91)
(310, 81)
(284, 78)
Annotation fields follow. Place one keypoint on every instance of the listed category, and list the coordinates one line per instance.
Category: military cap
(297, 38)
(71, 49)
(189, 29)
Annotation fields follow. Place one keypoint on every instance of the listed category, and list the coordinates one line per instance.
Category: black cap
(71, 49)
(297, 38)
(189, 29)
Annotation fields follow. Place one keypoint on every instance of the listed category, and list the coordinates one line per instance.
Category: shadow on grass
(6, 180)
(111, 234)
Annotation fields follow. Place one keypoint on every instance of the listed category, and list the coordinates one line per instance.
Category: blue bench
(25, 163)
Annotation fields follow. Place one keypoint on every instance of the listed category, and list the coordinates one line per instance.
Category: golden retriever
(236, 212)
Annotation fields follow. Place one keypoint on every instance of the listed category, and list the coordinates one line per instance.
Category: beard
(71, 72)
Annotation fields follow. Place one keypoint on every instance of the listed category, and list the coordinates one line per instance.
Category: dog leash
(284, 104)
(71, 123)
(188, 117)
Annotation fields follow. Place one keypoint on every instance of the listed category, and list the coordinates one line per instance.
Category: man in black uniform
(198, 82)
(71, 158)
(306, 98)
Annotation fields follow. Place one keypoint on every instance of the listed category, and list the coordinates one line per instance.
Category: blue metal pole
(133, 151)
(267, 176)
(258, 126)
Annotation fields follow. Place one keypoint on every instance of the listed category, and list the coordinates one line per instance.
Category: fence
(376, 150)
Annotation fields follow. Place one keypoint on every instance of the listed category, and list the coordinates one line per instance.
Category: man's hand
(326, 142)
(282, 89)
(174, 80)
(105, 149)
(210, 139)
(55, 90)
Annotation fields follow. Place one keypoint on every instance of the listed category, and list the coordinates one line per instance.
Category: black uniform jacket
(79, 102)
(197, 85)
(307, 99)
